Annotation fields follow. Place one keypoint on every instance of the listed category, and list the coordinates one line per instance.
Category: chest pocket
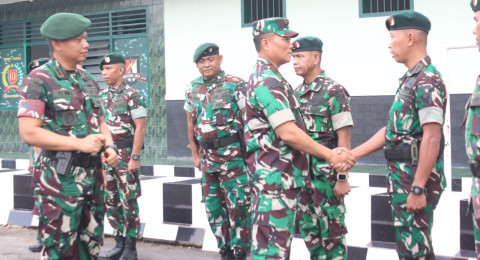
(402, 111)
(316, 112)
(67, 105)
(221, 107)
(474, 105)
(93, 93)
(119, 107)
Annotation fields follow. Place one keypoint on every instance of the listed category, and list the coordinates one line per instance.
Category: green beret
(408, 20)
(475, 6)
(36, 63)
(112, 58)
(276, 25)
(205, 49)
(63, 26)
(308, 43)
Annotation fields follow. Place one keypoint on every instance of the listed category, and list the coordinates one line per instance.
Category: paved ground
(14, 242)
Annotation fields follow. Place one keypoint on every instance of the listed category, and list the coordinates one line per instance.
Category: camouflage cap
(112, 58)
(408, 20)
(475, 5)
(36, 63)
(63, 26)
(308, 43)
(204, 50)
(275, 25)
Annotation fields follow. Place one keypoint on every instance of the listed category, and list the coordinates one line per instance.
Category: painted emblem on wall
(132, 72)
(12, 75)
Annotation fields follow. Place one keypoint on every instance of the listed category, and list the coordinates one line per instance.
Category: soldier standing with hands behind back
(215, 105)
(126, 116)
(60, 111)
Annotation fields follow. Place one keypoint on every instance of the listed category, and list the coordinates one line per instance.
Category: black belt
(220, 142)
(124, 144)
(475, 168)
(84, 160)
(402, 153)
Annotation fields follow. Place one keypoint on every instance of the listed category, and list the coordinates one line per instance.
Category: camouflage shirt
(420, 99)
(216, 113)
(272, 164)
(68, 103)
(472, 143)
(123, 104)
(325, 106)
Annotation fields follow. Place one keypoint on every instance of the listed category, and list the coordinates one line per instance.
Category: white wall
(355, 49)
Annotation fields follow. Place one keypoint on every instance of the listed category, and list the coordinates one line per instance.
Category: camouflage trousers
(273, 223)
(322, 220)
(70, 227)
(227, 201)
(413, 231)
(122, 209)
(476, 233)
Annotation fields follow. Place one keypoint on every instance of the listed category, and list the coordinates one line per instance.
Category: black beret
(36, 63)
(205, 49)
(112, 58)
(475, 6)
(63, 26)
(408, 20)
(308, 43)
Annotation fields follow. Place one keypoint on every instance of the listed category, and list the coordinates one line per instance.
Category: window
(253, 10)
(371, 8)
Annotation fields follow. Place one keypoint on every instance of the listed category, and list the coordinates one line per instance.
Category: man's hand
(110, 157)
(133, 165)
(196, 161)
(341, 159)
(92, 143)
(341, 189)
(416, 203)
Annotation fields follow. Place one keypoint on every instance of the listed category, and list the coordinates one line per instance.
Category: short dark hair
(257, 40)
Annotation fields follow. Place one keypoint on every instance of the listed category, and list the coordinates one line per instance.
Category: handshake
(341, 159)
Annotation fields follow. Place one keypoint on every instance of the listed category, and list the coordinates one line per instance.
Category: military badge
(475, 2)
(391, 21)
(296, 44)
(107, 59)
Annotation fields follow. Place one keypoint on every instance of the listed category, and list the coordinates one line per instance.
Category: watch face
(135, 157)
(342, 177)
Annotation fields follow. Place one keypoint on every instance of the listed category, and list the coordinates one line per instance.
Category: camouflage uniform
(276, 171)
(420, 99)
(123, 105)
(472, 144)
(215, 106)
(325, 107)
(70, 205)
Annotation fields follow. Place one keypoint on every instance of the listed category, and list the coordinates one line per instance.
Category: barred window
(371, 8)
(253, 10)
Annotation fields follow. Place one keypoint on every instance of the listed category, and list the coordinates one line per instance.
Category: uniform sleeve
(239, 94)
(429, 100)
(137, 107)
(32, 98)
(272, 97)
(339, 107)
(188, 103)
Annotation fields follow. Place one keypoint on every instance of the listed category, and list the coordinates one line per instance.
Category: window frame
(242, 18)
(379, 14)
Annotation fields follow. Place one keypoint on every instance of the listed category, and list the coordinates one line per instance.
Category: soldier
(60, 111)
(277, 144)
(325, 106)
(472, 137)
(215, 106)
(126, 117)
(413, 137)
(34, 151)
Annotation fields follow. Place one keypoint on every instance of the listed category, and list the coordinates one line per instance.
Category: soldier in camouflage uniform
(60, 111)
(325, 106)
(277, 144)
(413, 137)
(472, 138)
(215, 105)
(126, 116)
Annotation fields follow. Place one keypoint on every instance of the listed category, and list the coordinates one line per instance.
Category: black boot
(239, 255)
(35, 247)
(226, 253)
(130, 252)
(116, 252)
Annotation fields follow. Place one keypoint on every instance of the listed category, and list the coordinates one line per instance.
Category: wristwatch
(417, 190)
(342, 177)
(135, 157)
(113, 146)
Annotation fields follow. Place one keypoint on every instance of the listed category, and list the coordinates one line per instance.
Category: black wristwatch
(113, 146)
(342, 177)
(417, 190)
(135, 157)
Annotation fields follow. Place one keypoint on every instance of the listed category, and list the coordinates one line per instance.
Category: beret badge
(391, 21)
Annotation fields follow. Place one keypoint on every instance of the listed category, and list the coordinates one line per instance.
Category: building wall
(155, 145)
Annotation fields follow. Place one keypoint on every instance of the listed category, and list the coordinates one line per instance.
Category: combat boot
(226, 253)
(130, 252)
(115, 252)
(239, 255)
(35, 247)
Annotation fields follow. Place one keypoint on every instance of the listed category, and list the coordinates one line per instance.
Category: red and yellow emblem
(10, 78)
